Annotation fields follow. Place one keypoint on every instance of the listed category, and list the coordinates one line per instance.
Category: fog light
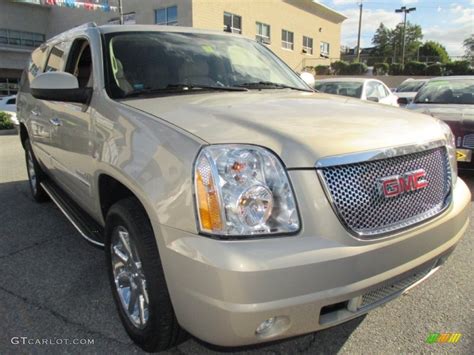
(265, 326)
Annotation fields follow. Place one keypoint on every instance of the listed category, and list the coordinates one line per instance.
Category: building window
(8, 86)
(263, 33)
(232, 23)
(324, 49)
(287, 39)
(307, 45)
(20, 38)
(167, 16)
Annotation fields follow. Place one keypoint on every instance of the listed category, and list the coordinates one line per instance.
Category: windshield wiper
(178, 88)
(270, 85)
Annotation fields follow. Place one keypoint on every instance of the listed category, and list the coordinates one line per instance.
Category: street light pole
(358, 36)
(405, 12)
(120, 11)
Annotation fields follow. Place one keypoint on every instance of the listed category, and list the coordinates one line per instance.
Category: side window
(11, 102)
(79, 62)
(55, 59)
(381, 91)
(371, 90)
(375, 89)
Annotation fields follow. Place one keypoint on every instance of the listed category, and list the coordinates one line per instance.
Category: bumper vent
(354, 192)
(382, 293)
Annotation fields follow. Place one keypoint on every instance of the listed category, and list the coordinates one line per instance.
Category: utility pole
(405, 12)
(358, 36)
(120, 5)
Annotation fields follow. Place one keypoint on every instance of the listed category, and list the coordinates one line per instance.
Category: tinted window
(410, 86)
(343, 88)
(11, 102)
(157, 60)
(79, 62)
(447, 92)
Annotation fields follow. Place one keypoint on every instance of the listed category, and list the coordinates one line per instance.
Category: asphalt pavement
(55, 297)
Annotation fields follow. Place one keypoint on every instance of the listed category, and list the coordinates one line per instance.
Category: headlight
(451, 146)
(243, 190)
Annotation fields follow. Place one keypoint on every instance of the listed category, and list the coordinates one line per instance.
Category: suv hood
(300, 127)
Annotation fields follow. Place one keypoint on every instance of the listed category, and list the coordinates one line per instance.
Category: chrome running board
(85, 225)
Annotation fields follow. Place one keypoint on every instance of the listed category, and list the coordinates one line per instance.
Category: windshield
(172, 62)
(447, 92)
(411, 86)
(344, 88)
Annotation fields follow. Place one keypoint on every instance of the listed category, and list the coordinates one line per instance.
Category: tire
(127, 220)
(35, 174)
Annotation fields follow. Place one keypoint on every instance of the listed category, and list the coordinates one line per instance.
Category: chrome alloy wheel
(129, 277)
(31, 171)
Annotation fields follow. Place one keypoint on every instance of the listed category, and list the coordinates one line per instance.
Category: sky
(446, 21)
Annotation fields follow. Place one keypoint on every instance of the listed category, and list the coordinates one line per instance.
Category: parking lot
(53, 286)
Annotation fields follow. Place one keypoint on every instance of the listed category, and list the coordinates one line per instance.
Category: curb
(8, 132)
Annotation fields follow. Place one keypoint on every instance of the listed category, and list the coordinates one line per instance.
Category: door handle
(35, 113)
(55, 121)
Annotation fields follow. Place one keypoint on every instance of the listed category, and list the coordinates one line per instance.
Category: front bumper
(222, 290)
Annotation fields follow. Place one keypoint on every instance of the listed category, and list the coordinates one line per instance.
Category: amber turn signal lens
(208, 201)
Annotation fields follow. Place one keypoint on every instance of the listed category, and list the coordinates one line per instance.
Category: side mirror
(308, 78)
(373, 98)
(403, 101)
(59, 86)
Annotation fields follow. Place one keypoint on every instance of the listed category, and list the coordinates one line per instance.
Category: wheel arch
(111, 190)
(23, 134)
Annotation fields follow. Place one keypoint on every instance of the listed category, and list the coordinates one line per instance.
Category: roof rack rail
(86, 25)
(83, 26)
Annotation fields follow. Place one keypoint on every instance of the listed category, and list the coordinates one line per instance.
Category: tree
(382, 41)
(388, 43)
(432, 51)
(413, 37)
(469, 49)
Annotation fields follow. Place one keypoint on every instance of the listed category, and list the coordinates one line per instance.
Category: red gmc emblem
(396, 185)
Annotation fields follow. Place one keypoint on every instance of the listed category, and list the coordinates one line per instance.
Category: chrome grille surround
(352, 188)
(468, 141)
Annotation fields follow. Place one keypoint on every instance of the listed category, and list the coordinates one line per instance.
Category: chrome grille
(355, 197)
(468, 141)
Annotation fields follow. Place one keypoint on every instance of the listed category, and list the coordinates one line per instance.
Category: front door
(72, 155)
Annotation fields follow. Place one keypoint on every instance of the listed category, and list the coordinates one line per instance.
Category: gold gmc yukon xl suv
(233, 201)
